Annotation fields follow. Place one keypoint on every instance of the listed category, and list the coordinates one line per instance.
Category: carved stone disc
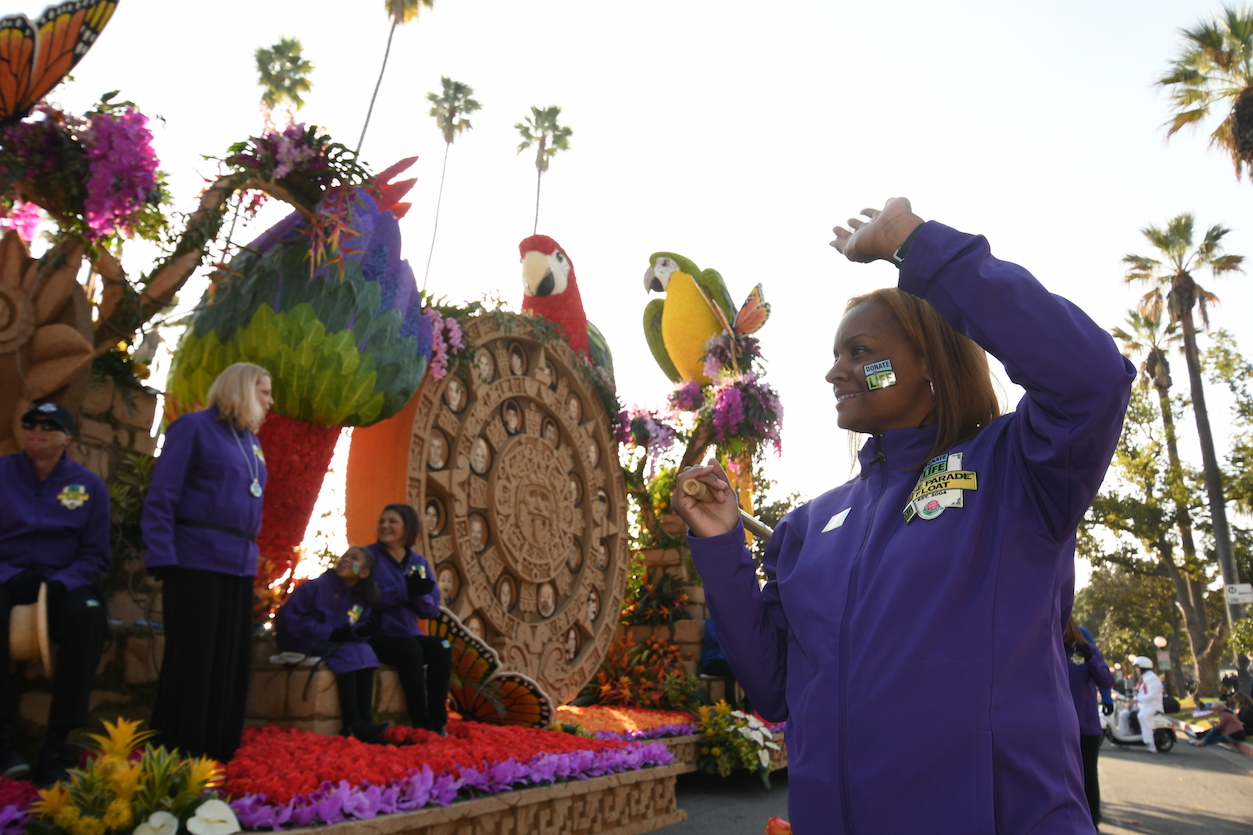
(524, 506)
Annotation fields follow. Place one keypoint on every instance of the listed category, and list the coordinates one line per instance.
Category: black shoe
(368, 731)
(51, 768)
(13, 765)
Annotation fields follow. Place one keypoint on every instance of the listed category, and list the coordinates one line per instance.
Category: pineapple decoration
(325, 303)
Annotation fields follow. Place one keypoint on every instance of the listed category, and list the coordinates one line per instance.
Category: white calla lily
(213, 817)
(158, 823)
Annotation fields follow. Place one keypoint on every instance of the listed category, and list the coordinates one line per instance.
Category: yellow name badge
(354, 614)
(73, 496)
(942, 485)
(256, 450)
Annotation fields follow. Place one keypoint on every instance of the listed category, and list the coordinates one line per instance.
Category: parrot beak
(653, 284)
(537, 274)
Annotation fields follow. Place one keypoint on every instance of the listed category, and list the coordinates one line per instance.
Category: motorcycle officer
(1148, 695)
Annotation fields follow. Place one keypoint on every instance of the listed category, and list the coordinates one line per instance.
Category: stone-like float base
(617, 804)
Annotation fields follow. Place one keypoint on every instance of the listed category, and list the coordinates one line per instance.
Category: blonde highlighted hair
(965, 398)
(234, 393)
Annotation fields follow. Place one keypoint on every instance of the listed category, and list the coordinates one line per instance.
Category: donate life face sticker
(879, 375)
(942, 485)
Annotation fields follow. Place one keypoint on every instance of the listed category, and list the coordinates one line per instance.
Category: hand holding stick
(700, 491)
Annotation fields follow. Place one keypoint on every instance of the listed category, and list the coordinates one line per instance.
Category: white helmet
(1143, 662)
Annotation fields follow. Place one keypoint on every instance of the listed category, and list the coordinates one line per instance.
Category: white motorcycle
(1163, 727)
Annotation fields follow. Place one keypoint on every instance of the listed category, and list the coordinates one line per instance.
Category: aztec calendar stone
(516, 474)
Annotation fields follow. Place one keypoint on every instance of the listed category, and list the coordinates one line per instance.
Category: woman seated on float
(407, 591)
(329, 616)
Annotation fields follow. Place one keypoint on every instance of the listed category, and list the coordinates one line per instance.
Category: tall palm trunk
(539, 178)
(1189, 592)
(438, 201)
(377, 85)
(1183, 298)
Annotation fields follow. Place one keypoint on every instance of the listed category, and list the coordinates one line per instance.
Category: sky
(734, 133)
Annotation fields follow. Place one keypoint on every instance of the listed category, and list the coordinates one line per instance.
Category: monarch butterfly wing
(64, 33)
(17, 55)
(512, 699)
(473, 661)
(753, 313)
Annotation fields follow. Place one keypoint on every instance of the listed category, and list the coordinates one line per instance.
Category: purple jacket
(1085, 678)
(398, 613)
(57, 528)
(971, 600)
(304, 623)
(202, 478)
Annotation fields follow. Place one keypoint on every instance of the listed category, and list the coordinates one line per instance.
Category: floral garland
(97, 174)
(287, 777)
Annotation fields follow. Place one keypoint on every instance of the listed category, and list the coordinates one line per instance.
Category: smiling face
(391, 529)
(44, 440)
(353, 566)
(869, 333)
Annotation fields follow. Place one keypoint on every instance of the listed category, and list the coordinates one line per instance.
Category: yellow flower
(51, 801)
(109, 764)
(87, 825)
(717, 752)
(204, 773)
(125, 781)
(120, 739)
(66, 817)
(119, 815)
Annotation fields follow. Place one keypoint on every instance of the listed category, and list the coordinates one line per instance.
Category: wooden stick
(700, 491)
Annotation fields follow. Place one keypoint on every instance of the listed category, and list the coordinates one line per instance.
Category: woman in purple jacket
(952, 550)
(1088, 673)
(329, 616)
(200, 524)
(407, 591)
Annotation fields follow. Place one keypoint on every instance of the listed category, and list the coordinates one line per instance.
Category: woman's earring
(932, 384)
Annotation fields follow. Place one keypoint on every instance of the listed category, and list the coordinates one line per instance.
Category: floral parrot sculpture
(551, 289)
(347, 343)
(696, 307)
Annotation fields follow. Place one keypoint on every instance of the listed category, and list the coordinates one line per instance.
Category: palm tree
(541, 129)
(1213, 76)
(1176, 290)
(283, 74)
(400, 11)
(449, 109)
(1146, 336)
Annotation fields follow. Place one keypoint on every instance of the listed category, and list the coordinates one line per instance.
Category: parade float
(512, 446)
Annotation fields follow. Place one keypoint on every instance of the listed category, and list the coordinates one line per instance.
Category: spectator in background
(713, 663)
(200, 523)
(1088, 673)
(54, 530)
(1234, 724)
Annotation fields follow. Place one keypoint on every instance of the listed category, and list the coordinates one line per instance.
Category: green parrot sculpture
(696, 307)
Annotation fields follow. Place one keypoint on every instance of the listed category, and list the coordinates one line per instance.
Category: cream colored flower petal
(158, 823)
(213, 817)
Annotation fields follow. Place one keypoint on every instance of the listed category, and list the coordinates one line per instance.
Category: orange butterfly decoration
(478, 690)
(753, 314)
(34, 57)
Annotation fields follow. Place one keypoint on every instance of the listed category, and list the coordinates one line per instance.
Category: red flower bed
(282, 763)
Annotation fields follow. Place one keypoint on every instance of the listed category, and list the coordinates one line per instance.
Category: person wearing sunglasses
(54, 531)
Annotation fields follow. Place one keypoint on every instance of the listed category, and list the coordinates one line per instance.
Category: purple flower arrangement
(688, 397)
(677, 729)
(337, 802)
(648, 431)
(745, 412)
(96, 173)
(446, 341)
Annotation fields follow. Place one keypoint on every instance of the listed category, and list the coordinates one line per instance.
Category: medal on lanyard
(254, 467)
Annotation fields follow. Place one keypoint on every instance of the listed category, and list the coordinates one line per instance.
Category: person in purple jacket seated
(1088, 674)
(330, 617)
(200, 524)
(54, 530)
(952, 547)
(407, 591)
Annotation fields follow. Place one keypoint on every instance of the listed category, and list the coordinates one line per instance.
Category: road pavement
(1190, 791)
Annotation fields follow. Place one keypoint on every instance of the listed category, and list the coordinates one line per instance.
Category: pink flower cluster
(688, 397)
(720, 360)
(23, 217)
(446, 340)
(649, 431)
(277, 154)
(123, 169)
(746, 409)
